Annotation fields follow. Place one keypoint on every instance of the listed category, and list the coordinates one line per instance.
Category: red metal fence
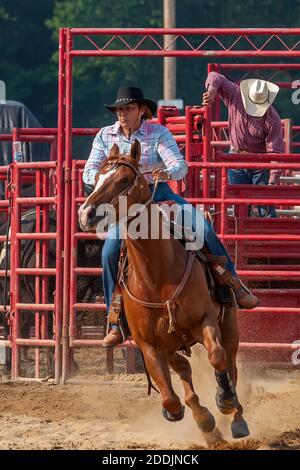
(272, 326)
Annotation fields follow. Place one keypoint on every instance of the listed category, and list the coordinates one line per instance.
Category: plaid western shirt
(159, 150)
(248, 133)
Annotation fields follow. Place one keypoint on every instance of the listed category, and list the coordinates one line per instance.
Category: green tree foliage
(26, 48)
(29, 44)
(96, 80)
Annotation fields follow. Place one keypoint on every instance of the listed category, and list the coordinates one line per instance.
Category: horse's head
(119, 175)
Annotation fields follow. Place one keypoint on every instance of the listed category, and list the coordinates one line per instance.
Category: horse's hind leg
(230, 342)
(158, 369)
(202, 416)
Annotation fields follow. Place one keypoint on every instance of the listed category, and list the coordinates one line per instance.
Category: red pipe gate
(206, 184)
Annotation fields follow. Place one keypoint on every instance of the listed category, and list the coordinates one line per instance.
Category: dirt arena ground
(114, 412)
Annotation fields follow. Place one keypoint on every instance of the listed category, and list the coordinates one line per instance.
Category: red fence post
(15, 279)
(60, 329)
(67, 352)
(206, 151)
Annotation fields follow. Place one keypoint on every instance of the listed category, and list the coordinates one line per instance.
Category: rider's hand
(209, 97)
(160, 174)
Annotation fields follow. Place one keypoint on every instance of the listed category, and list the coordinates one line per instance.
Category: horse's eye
(124, 180)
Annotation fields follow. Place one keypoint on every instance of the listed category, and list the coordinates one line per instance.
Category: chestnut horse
(167, 301)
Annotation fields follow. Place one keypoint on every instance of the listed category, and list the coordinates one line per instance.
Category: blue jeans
(257, 177)
(111, 247)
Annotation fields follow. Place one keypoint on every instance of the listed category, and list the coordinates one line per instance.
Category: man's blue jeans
(257, 177)
(111, 247)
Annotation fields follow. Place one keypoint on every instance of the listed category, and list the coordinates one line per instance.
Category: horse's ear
(114, 151)
(135, 151)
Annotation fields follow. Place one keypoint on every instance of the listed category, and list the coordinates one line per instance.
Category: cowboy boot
(244, 297)
(113, 338)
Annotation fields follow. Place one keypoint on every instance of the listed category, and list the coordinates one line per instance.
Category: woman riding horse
(168, 304)
(161, 156)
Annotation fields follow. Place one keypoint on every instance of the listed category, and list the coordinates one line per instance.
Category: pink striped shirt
(248, 133)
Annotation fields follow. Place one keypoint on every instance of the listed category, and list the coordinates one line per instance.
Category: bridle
(115, 161)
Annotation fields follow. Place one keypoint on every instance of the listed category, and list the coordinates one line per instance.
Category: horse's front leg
(158, 369)
(204, 419)
(230, 342)
(226, 397)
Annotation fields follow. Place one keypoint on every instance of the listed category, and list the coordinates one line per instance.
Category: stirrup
(112, 339)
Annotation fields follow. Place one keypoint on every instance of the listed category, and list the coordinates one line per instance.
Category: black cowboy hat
(131, 94)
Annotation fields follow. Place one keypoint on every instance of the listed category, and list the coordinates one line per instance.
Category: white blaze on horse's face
(102, 178)
(85, 209)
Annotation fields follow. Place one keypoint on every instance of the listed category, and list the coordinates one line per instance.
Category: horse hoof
(239, 428)
(226, 406)
(173, 417)
(207, 425)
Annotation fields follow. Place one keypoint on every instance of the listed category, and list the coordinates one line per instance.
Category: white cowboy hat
(257, 95)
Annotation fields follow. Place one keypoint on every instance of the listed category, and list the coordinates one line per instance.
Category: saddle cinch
(117, 313)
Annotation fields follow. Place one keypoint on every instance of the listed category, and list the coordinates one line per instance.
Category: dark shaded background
(29, 45)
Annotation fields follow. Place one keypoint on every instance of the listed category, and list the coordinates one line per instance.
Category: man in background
(254, 125)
